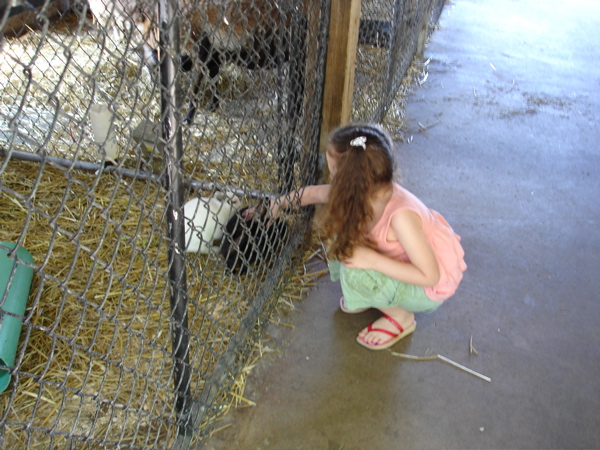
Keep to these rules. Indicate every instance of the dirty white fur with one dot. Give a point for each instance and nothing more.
(205, 219)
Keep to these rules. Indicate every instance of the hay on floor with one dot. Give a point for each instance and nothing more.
(94, 358)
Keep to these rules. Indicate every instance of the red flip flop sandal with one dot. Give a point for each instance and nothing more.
(402, 333)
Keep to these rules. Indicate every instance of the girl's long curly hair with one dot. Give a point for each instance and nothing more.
(360, 174)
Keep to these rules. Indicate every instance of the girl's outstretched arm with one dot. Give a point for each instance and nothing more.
(308, 195)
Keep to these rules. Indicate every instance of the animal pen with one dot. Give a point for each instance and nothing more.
(130, 129)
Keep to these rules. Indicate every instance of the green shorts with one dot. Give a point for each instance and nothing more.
(372, 289)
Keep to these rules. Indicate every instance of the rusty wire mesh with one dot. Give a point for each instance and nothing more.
(126, 140)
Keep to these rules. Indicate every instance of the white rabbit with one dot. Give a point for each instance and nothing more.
(205, 219)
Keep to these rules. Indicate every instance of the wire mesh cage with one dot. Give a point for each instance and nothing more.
(389, 35)
(131, 135)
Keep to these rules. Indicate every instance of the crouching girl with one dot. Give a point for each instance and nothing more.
(388, 250)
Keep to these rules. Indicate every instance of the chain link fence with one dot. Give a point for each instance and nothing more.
(391, 32)
(131, 135)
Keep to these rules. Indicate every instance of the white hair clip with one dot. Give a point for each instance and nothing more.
(360, 141)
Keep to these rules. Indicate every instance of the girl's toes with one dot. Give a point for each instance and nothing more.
(376, 339)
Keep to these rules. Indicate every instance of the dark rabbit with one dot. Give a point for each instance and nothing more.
(247, 241)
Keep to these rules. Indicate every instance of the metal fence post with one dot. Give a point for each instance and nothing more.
(173, 183)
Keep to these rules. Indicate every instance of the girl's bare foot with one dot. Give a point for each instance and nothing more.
(376, 338)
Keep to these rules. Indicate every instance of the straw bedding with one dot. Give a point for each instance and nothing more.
(95, 349)
(94, 357)
(98, 304)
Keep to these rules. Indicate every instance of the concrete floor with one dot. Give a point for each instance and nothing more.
(514, 165)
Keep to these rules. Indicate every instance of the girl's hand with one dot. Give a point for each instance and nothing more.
(248, 214)
(272, 214)
(362, 258)
(274, 211)
(275, 208)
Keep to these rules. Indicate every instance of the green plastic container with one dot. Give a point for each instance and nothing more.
(15, 301)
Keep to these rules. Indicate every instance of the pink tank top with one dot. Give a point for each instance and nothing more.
(442, 239)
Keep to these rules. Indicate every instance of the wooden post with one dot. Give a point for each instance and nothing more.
(339, 71)
(422, 38)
